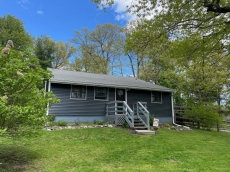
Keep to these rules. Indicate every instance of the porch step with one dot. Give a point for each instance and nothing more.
(145, 132)
(140, 128)
(138, 125)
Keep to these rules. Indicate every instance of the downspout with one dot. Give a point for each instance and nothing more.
(173, 115)
(47, 112)
(45, 88)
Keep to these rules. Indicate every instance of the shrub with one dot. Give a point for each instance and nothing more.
(167, 125)
(151, 117)
(206, 114)
(62, 123)
(51, 118)
(125, 124)
(98, 122)
(23, 99)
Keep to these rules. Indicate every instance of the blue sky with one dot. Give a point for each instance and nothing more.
(59, 18)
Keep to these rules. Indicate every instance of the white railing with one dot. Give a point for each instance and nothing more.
(143, 114)
(129, 114)
(121, 112)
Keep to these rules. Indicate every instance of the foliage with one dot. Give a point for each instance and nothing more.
(114, 149)
(98, 122)
(44, 51)
(167, 125)
(62, 53)
(205, 113)
(51, 118)
(184, 46)
(23, 101)
(62, 123)
(151, 118)
(99, 50)
(12, 28)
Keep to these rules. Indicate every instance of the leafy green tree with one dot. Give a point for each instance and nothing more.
(205, 71)
(12, 28)
(45, 48)
(23, 99)
(209, 18)
(99, 48)
(62, 53)
(205, 114)
(198, 47)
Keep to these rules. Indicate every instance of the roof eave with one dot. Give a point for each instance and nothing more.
(111, 85)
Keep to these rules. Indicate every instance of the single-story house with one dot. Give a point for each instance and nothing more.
(88, 97)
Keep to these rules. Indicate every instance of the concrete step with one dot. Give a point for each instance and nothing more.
(145, 132)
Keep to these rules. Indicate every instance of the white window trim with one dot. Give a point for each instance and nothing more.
(107, 98)
(79, 98)
(156, 102)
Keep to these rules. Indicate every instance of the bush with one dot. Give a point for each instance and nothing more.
(125, 124)
(23, 99)
(206, 114)
(62, 123)
(167, 125)
(51, 118)
(98, 122)
(151, 117)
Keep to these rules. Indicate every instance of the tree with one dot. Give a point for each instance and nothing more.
(198, 32)
(209, 18)
(219, 6)
(62, 53)
(44, 50)
(98, 49)
(12, 28)
(151, 52)
(205, 72)
(23, 99)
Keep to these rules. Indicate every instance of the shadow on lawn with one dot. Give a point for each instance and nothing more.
(16, 158)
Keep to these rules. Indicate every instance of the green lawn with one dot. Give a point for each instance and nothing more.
(115, 149)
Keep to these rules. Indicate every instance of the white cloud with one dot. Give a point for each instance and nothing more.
(120, 7)
(40, 12)
(23, 3)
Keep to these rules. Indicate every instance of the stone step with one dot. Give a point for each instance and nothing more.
(145, 132)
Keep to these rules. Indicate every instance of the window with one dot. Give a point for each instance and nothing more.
(101, 93)
(156, 97)
(78, 92)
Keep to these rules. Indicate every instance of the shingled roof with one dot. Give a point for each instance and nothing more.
(91, 79)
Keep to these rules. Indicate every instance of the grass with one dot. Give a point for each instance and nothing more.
(115, 149)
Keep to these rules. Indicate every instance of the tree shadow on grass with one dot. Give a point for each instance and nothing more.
(17, 158)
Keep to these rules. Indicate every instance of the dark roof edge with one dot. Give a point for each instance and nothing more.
(114, 86)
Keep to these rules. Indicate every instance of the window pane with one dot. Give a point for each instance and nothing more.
(101, 93)
(78, 91)
(156, 96)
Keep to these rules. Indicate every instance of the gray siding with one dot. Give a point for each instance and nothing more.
(74, 107)
(159, 110)
(90, 109)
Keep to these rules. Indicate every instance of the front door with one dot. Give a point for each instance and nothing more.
(120, 96)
